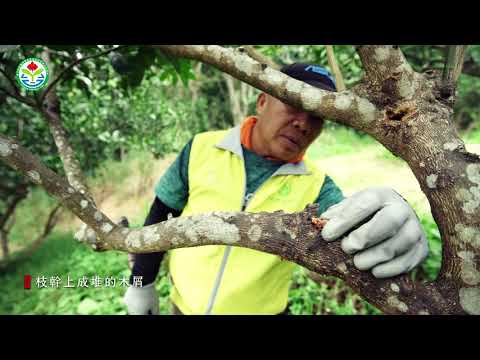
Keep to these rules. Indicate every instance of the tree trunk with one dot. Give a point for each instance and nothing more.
(239, 94)
(234, 98)
(4, 241)
(194, 85)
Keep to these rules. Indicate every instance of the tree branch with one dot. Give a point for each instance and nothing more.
(20, 123)
(22, 99)
(452, 69)
(50, 109)
(10, 80)
(258, 56)
(67, 155)
(19, 196)
(345, 107)
(335, 68)
(293, 237)
(388, 72)
(16, 94)
(77, 201)
(6, 189)
(9, 224)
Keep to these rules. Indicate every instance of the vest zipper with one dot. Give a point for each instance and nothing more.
(246, 199)
(226, 254)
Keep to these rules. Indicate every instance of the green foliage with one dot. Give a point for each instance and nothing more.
(71, 259)
(467, 111)
(31, 216)
(424, 57)
(431, 266)
(19, 121)
(143, 119)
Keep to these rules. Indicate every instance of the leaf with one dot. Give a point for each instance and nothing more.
(38, 72)
(26, 72)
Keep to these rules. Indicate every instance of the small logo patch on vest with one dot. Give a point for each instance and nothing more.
(285, 190)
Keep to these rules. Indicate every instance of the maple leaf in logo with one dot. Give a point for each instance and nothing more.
(32, 66)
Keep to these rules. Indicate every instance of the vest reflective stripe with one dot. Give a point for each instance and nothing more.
(253, 282)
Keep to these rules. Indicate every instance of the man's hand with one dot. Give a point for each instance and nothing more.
(392, 242)
(142, 300)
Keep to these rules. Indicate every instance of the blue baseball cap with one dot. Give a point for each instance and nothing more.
(311, 74)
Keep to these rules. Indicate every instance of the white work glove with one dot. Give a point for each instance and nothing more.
(392, 242)
(141, 300)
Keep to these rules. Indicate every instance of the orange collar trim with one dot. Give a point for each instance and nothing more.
(246, 137)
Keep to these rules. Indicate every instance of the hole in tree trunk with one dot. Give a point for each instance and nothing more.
(400, 113)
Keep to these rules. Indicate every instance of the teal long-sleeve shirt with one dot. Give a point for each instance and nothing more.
(174, 193)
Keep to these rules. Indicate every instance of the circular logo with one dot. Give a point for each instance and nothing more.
(32, 74)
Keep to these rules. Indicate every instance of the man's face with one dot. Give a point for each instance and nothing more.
(283, 132)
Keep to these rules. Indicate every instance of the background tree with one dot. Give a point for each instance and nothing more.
(103, 108)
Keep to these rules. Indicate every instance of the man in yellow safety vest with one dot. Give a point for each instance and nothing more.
(261, 166)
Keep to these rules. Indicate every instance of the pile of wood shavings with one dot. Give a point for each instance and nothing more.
(319, 222)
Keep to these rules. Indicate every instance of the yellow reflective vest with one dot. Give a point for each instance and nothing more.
(219, 279)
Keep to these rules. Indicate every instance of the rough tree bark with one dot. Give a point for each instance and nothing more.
(50, 108)
(401, 109)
